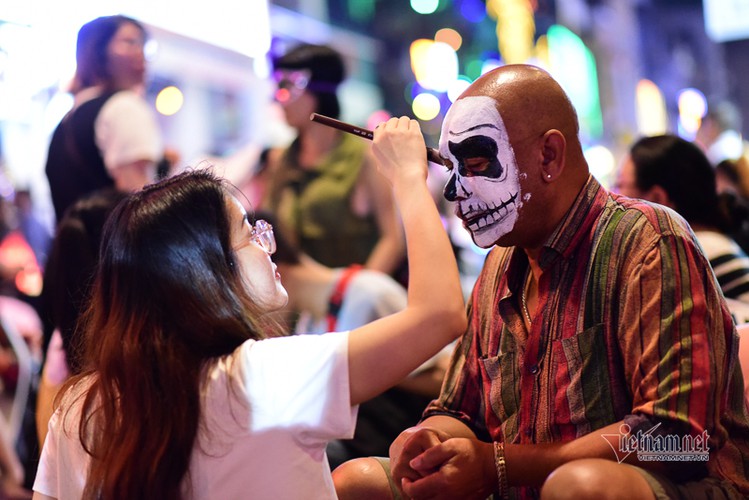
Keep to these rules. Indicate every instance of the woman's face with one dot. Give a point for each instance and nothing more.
(125, 60)
(259, 274)
(292, 94)
(724, 184)
(626, 179)
(298, 111)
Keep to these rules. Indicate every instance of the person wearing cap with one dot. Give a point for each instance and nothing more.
(323, 188)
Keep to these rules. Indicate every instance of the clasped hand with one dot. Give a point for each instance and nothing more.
(428, 463)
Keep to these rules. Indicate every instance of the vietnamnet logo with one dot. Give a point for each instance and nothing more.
(655, 448)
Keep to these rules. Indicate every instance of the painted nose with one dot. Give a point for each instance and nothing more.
(454, 189)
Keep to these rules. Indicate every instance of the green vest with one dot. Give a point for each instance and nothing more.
(313, 206)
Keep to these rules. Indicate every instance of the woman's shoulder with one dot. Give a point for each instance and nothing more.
(81, 385)
(270, 351)
(70, 404)
(716, 243)
(286, 360)
(289, 345)
(126, 105)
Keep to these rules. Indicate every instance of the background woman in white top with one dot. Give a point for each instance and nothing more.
(189, 392)
(110, 138)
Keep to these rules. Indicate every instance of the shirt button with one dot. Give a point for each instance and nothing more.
(533, 369)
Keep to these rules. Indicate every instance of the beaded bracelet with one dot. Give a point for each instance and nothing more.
(499, 461)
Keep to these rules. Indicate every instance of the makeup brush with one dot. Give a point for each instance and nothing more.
(432, 154)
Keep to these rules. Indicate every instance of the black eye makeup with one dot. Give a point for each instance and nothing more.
(477, 156)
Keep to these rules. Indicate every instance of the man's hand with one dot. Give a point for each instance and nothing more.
(456, 468)
(407, 446)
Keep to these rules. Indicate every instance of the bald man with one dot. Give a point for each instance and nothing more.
(600, 357)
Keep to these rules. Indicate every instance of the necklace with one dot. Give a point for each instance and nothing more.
(523, 302)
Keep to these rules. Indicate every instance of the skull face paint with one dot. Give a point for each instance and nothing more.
(484, 181)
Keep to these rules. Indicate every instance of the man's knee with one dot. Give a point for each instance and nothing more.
(595, 479)
(361, 478)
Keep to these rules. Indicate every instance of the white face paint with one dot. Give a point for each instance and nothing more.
(484, 180)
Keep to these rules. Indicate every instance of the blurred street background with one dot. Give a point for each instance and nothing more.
(632, 67)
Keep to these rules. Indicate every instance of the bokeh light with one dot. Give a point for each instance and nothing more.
(425, 6)
(361, 10)
(489, 65)
(419, 53)
(151, 49)
(473, 10)
(377, 117)
(282, 95)
(602, 163)
(515, 29)
(435, 64)
(651, 109)
(692, 107)
(541, 57)
(473, 68)
(16, 254)
(426, 106)
(572, 64)
(450, 37)
(457, 87)
(169, 100)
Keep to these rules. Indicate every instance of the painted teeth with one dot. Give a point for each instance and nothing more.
(488, 219)
(495, 215)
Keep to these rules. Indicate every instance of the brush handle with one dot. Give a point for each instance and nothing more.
(432, 154)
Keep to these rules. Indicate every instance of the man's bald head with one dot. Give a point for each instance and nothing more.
(529, 100)
(512, 142)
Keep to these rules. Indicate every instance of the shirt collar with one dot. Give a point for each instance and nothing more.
(576, 223)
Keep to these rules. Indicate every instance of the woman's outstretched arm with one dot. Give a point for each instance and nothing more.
(384, 352)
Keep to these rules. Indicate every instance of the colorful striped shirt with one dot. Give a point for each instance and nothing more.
(630, 323)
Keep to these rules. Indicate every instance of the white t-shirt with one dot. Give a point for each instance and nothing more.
(267, 435)
(127, 131)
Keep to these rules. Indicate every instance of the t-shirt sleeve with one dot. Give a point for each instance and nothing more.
(127, 131)
(46, 481)
(300, 383)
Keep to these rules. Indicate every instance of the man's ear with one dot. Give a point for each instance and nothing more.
(553, 150)
(658, 195)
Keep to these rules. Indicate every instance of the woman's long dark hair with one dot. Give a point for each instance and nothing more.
(70, 268)
(91, 50)
(168, 299)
